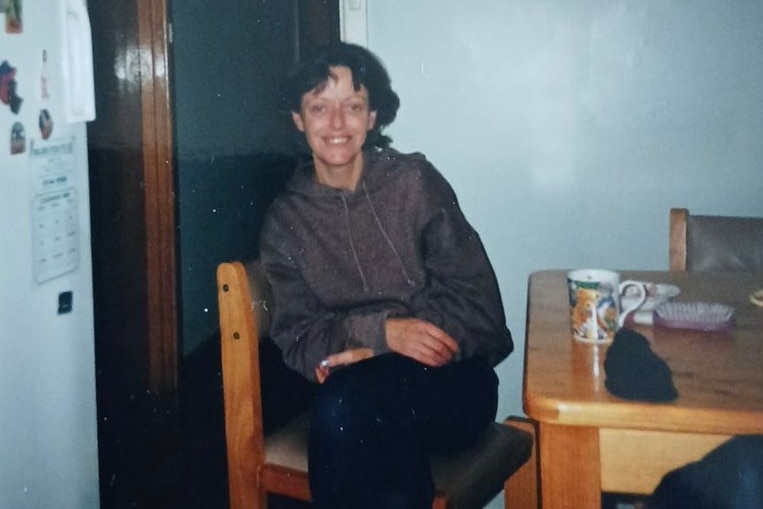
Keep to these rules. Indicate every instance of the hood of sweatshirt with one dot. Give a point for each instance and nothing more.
(379, 169)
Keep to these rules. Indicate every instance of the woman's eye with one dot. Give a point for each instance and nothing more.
(317, 108)
(355, 107)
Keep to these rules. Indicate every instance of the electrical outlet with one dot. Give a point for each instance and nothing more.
(65, 300)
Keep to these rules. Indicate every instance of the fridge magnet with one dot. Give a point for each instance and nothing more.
(13, 23)
(8, 95)
(46, 124)
(44, 75)
(18, 139)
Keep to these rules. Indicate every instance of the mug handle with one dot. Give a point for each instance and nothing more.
(624, 313)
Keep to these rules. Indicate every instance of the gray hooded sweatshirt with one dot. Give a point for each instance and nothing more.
(342, 262)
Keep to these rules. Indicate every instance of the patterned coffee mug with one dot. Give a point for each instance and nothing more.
(595, 310)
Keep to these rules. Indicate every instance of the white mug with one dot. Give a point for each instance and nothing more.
(595, 306)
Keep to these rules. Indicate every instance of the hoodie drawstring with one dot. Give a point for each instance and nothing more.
(352, 243)
(384, 234)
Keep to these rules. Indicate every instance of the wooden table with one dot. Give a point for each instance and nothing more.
(591, 441)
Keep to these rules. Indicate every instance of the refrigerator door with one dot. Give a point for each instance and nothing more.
(48, 423)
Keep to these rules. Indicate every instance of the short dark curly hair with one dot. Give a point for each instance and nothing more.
(367, 70)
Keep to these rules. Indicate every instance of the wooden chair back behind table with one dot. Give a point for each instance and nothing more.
(721, 243)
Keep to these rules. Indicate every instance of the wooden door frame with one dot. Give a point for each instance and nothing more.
(159, 180)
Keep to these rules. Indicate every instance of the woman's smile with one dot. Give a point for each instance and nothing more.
(335, 118)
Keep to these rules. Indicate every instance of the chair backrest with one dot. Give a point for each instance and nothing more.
(723, 243)
(243, 300)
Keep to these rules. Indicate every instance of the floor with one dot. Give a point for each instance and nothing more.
(169, 453)
(202, 429)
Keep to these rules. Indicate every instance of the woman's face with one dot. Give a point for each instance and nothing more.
(336, 120)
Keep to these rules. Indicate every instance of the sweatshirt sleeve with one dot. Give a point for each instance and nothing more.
(461, 294)
(304, 330)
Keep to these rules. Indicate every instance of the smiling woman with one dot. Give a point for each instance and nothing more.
(384, 294)
(335, 120)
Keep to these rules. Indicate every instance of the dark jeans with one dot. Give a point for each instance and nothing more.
(375, 423)
(728, 477)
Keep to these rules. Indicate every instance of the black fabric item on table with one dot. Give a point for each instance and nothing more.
(635, 372)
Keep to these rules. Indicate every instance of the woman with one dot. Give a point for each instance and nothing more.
(383, 294)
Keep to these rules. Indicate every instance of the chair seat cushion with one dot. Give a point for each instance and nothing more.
(474, 476)
(471, 477)
(287, 446)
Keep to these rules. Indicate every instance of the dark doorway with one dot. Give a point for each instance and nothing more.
(158, 396)
(233, 153)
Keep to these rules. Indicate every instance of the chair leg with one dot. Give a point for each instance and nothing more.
(520, 491)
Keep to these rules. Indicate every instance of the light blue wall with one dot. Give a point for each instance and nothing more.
(568, 128)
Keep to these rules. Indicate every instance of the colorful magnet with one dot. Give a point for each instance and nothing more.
(13, 18)
(8, 93)
(46, 124)
(44, 76)
(18, 139)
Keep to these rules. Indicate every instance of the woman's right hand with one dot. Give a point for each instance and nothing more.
(323, 369)
(420, 340)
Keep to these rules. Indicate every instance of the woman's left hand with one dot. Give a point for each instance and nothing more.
(323, 370)
(420, 340)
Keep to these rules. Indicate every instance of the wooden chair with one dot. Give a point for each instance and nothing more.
(723, 243)
(277, 463)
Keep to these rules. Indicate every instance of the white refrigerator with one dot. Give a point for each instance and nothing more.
(48, 423)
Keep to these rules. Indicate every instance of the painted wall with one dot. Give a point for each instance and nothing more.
(568, 128)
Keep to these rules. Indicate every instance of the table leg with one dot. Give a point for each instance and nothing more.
(570, 469)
